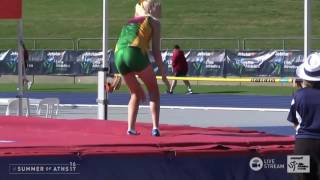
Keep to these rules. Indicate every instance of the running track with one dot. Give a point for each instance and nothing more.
(195, 100)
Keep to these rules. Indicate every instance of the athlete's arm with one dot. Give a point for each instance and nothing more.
(156, 46)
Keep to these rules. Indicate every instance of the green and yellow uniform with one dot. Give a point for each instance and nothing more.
(131, 52)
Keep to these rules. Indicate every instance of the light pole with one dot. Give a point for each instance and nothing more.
(307, 27)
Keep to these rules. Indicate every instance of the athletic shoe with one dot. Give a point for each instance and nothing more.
(189, 92)
(155, 132)
(168, 92)
(29, 85)
(133, 132)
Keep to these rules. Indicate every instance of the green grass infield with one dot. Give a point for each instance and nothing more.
(180, 89)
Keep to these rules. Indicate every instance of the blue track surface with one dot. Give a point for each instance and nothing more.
(198, 100)
(195, 100)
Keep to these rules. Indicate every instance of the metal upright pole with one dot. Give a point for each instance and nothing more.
(20, 63)
(102, 94)
(307, 27)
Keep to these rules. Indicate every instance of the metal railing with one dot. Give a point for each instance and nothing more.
(40, 43)
(201, 43)
(276, 43)
(256, 43)
(96, 45)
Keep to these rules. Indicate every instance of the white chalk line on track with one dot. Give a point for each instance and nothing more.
(186, 107)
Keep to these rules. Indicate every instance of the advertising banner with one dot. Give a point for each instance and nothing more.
(196, 62)
(248, 63)
(291, 60)
(8, 62)
(200, 63)
(166, 58)
(205, 63)
(89, 62)
(213, 63)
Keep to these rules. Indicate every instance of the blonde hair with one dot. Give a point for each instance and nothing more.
(143, 7)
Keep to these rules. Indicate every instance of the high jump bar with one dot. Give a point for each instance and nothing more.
(235, 79)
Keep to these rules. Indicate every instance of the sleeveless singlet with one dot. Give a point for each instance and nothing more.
(131, 52)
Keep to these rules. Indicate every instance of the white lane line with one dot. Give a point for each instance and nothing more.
(186, 107)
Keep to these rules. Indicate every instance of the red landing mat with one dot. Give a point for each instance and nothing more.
(30, 136)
